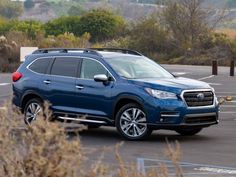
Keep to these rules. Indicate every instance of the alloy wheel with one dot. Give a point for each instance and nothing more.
(133, 122)
(32, 112)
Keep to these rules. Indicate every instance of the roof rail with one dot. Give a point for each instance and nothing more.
(127, 51)
(66, 50)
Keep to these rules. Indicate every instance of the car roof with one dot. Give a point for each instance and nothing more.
(83, 52)
(109, 55)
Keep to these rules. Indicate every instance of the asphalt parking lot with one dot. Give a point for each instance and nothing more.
(211, 153)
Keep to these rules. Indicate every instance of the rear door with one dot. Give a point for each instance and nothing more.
(35, 80)
(94, 97)
(60, 83)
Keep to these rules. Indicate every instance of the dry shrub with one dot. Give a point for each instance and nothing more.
(9, 55)
(130, 170)
(44, 150)
(41, 149)
(68, 40)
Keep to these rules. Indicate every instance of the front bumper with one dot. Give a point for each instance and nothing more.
(173, 114)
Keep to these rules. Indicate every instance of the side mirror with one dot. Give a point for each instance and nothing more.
(100, 78)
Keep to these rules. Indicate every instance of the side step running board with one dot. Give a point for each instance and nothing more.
(82, 120)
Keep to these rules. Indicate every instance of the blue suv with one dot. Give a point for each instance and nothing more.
(113, 87)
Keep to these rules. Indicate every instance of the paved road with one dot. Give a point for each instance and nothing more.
(211, 153)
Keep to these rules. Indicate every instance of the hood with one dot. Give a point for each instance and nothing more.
(175, 85)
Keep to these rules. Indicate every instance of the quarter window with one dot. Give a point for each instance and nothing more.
(90, 68)
(65, 67)
(40, 65)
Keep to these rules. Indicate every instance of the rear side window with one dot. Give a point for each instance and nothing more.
(40, 65)
(65, 67)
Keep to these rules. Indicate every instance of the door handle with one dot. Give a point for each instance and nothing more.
(47, 82)
(79, 87)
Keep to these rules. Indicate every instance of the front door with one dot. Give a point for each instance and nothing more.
(95, 97)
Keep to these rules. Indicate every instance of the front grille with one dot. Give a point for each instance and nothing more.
(205, 119)
(198, 98)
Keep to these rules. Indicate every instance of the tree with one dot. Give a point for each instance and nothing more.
(231, 3)
(148, 36)
(76, 10)
(10, 9)
(101, 24)
(189, 23)
(28, 4)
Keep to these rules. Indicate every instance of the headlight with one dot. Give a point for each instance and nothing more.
(161, 94)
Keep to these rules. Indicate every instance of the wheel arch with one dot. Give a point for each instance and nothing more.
(28, 96)
(125, 99)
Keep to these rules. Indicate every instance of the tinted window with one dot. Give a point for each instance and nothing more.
(40, 65)
(65, 67)
(90, 68)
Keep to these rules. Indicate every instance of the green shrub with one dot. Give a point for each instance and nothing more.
(31, 28)
(101, 24)
(5, 25)
(62, 25)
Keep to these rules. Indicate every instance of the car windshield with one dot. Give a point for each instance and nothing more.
(133, 67)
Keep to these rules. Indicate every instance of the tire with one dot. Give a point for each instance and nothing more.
(132, 127)
(188, 132)
(32, 110)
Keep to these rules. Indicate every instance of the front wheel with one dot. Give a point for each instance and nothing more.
(131, 122)
(188, 132)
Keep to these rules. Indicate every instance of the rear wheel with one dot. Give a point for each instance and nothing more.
(188, 132)
(131, 122)
(32, 110)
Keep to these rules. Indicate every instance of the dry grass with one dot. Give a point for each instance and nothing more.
(44, 150)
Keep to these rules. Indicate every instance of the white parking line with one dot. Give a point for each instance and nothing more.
(203, 169)
(226, 92)
(207, 77)
(216, 170)
(228, 112)
(3, 108)
(179, 73)
(215, 84)
(3, 84)
(227, 106)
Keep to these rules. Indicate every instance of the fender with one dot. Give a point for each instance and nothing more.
(127, 96)
(28, 92)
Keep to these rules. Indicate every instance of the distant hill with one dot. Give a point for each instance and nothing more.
(45, 10)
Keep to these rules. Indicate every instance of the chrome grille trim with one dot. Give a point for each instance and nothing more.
(200, 91)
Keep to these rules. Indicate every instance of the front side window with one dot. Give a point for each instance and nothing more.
(40, 65)
(90, 68)
(65, 67)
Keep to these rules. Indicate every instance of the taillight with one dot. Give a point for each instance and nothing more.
(16, 76)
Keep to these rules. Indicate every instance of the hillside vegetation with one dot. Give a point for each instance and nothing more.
(163, 36)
